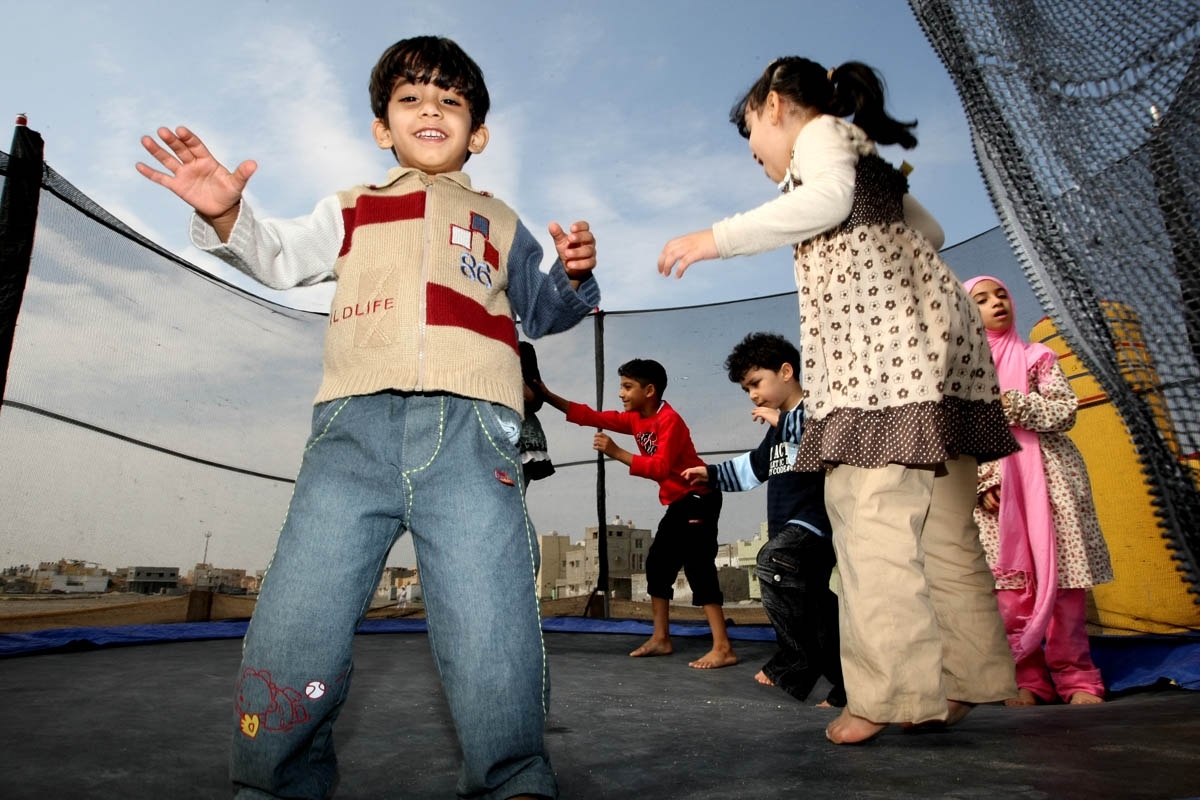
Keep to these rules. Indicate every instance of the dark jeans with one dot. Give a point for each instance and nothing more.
(793, 575)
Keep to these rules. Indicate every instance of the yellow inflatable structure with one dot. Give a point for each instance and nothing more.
(1148, 594)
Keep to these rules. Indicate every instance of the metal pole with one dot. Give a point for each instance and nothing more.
(18, 218)
(602, 610)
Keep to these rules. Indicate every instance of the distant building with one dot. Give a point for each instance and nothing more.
(573, 570)
(75, 584)
(734, 583)
(747, 559)
(152, 580)
(727, 555)
(554, 549)
(394, 585)
(206, 577)
(70, 576)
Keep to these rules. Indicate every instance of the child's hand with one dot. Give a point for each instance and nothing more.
(603, 443)
(196, 176)
(685, 251)
(576, 250)
(696, 475)
(768, 415)
(990, 499)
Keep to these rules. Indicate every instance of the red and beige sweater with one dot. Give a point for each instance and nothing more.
(429, 272)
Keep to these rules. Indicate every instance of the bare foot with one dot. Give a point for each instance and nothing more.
(762, 678)
(654, 647)
(1024, 698)
(956, 710)
(1084, 699)
(715, 659)
(851, 729)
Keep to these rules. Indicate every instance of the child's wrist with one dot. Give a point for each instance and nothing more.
(227, 217)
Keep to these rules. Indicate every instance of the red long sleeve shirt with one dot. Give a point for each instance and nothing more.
(664, 441)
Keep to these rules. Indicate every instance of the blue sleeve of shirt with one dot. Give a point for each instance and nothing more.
(545, 302)
(744, 472)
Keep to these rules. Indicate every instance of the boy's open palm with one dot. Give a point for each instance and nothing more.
(194, 174)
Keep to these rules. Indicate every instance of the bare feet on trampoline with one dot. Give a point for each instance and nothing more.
(956, 710)
(1024, 698)
(654, 647)
(1084, 699)
(715, 659)
(852, 729)
(762, 678)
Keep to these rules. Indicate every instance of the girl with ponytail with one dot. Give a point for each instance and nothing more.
(901, 396)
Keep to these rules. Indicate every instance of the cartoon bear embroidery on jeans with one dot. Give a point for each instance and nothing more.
(261, 705)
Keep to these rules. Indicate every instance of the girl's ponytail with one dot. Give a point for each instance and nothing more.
(851, 89)
(859, 90)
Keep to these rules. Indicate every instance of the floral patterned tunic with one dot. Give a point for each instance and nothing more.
(1049, 411)
(896, 363)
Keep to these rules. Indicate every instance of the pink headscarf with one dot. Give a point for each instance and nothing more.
(1026, 523)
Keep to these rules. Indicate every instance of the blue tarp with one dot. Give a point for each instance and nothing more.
(1132, 662)
(1127, 662)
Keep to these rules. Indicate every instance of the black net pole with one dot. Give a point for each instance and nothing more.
(18, 218)
(598, 605)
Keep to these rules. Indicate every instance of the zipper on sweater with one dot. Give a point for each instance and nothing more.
(423, 284)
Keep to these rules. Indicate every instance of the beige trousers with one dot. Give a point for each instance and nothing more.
(919, 622)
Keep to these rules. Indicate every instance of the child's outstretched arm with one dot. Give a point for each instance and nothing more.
(685, 251)
(603, 443)
(197, 177)
(559, 402)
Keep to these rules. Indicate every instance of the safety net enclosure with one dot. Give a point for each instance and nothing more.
(147, 403)
(156, 415)
(1086, 121)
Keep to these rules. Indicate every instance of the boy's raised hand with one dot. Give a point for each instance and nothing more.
(576, 250)
(762, 414)
(195, 175)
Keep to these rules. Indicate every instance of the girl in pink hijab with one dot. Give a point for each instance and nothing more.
(1036, 517)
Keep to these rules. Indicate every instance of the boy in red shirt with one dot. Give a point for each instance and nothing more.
(687, 534)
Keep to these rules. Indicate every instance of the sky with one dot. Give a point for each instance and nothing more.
(615, 113)
(612, 112)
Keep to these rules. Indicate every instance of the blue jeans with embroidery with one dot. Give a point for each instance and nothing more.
(446, 469)
(793, 575)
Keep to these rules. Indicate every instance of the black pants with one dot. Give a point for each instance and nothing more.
(793, 574)
(686, 539)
